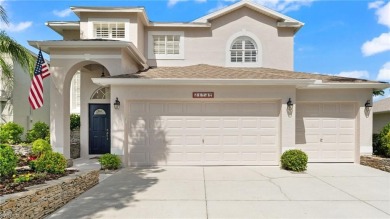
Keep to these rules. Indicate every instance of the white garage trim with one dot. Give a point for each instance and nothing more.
(326, 131)
(203, 133)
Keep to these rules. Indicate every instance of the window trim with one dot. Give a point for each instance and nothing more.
(229, 44)
(91, 30)
(151, 54)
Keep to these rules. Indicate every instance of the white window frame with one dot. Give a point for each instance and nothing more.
(91, 29)
(151, 54)
(229, 44)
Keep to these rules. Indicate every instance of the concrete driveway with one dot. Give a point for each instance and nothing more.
(324, 191)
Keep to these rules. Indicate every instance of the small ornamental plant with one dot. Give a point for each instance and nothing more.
(40, 130)
(50, 162)
(40, 147)
(295, 160)
(11, 133)
(23, 178)
(8, 161)
(110, 161)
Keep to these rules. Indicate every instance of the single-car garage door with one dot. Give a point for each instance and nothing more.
(204, 133)
(326, 131)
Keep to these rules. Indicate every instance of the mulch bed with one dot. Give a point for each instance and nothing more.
(7, 186)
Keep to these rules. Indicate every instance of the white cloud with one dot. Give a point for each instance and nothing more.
(200, 1)
(62, 13)
(375, 4)
(11, 27)
(172, 3)
(383, 14)
(384, 73)
(377, 45)
(219, 6)
(354, 74)
(284, 5)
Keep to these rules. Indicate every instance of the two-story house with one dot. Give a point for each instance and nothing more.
(14, 105)
(219, 90)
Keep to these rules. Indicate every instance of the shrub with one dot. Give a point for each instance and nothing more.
(295, 160)
(8, 160)
(50, 162)
(10, 133)
(74, 121)
(110, 161)
(40, 147)
(382, 147)
(376, 144)
(40, 130)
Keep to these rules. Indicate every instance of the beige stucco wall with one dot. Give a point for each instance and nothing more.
(71, 34)
(380, 120)
(209, 45)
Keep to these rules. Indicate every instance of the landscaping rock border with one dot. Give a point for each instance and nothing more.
(376, 162)
(41, 200)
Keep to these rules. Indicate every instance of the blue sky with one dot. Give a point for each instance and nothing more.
(348, 38)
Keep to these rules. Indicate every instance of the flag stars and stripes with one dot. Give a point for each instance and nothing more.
(36, 90)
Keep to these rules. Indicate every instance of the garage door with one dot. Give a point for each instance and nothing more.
(204, 133)
(326, 131)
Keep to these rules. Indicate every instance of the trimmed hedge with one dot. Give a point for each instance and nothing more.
(295, 160)
(40, 147)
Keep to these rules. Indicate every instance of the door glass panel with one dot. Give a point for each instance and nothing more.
(99, 112)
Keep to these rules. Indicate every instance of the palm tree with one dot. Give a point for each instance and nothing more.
(10, 48)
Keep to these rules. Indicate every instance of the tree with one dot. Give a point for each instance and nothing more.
(10, 48)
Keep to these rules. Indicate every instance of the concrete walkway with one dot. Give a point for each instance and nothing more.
(324, 191)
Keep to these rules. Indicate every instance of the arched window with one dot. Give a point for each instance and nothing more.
(102, 93)
(243, 50)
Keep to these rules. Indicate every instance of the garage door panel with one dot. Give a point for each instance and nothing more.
(204, 133)
(323, 129)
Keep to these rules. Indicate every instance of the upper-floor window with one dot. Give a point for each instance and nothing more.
(108, 28)
(165, 45)
(243, 50)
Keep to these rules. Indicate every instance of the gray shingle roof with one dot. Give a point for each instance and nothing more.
(203, 71)
(381, 106)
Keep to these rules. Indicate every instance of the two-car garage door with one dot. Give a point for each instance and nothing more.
(204, 133)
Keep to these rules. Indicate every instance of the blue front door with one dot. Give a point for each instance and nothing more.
(99, 129)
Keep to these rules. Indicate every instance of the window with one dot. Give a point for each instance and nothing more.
(102, 93)
(75, 94)
(165, 45)
(110, 30)
(243, 50)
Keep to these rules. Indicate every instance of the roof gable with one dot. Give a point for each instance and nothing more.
(258, 8)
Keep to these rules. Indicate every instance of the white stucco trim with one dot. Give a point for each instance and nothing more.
(244, 33)
(86, 56)
(320, 85)
(161, 24)
(151, 54)
(172, 81)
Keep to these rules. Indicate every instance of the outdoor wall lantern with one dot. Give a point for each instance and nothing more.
(117, 104)
(289, 104)
(368, 105)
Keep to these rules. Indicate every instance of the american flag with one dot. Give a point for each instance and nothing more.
(36, 90)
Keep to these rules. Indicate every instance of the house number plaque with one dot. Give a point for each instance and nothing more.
(202, 94)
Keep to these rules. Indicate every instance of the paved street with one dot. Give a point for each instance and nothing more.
(323, 191)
